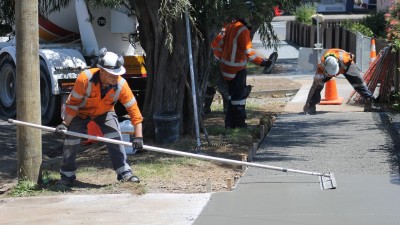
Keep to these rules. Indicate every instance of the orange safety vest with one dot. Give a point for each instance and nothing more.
(216, 45)
(345, 60)
(85, 98)
(236, 49)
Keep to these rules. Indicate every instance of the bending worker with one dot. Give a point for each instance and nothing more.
(93, 97)
(334, 62)
(233, 49)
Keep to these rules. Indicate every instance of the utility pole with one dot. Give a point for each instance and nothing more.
(29, 140)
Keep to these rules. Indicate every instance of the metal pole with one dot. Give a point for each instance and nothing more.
(194, 97)
(169, 151)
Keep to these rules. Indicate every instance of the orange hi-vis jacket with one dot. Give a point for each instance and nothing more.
(345, 60)
(85, 99)
(216, 45)
(236, 50)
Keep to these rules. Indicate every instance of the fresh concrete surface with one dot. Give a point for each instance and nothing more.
(149, 209)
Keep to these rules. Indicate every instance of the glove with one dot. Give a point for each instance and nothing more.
(137, 143)
(266, 63)
(60, 130)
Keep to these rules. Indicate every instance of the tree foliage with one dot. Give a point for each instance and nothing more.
(162, 34)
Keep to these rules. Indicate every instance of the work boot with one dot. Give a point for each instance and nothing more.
(311, 110)
(371, 106)
(65, 182)
(128, 177)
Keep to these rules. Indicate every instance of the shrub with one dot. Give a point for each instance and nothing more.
(304, 12)
(376, 23)
(357, 27)
(393, 25)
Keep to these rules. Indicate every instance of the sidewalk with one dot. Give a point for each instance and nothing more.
(360, 148)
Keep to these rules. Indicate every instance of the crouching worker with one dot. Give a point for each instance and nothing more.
(333, 63)
(93, 97)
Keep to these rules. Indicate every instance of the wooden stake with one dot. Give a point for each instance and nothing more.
(229, 184)
(262, 132)
(244, 159)
(208, 185)
(255, 147)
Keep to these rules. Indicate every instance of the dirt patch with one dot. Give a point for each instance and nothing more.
(95, 174)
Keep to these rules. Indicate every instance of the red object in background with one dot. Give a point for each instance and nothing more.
(277, 11)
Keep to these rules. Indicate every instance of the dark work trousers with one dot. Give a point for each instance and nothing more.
(352, 74)
(236, 110)
(109, 126)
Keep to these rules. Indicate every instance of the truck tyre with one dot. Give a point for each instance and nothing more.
(50, 103)
(51, 114)
(8, 87)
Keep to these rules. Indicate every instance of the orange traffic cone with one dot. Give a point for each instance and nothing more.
(372, 54)
(94, 130)
(331, 94)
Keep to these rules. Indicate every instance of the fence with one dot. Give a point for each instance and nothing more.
(332, 35)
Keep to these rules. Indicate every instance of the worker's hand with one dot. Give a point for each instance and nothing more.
(60, 130)
(266, 63)
(137, 143)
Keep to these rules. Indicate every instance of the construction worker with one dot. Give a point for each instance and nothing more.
(93, 97)
(333, 63)
(234, 49)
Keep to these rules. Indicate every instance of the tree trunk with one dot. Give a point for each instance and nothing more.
(29, 140)
(168, 85)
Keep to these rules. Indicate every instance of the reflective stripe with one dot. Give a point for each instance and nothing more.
(72, 141)
(248, 51)
(341, 60)
(89, 75)
(120, 84)
(239, 64)
(238, 102)
(73, 107)
(68, 174)
(76, 95)
(252, 57)
(112, 135)
(234, 48)
(130, 103)
(228, 75)
(359, 85)
(122, 169)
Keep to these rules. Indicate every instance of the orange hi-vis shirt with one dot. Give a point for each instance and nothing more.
(236, 50)
(216, 45)
(345, 60)
(85, 98)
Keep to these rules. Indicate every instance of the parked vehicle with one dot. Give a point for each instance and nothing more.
(69, 43)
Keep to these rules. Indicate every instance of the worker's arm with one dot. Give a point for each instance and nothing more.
(67, 119)
(138, 130)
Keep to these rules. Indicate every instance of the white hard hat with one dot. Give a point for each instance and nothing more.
(331, 65)
(111, 62)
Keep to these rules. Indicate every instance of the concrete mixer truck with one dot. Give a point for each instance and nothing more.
(69, 43)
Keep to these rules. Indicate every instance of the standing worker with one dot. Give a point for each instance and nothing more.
(93, 97)
(333, 63)
(233, 50)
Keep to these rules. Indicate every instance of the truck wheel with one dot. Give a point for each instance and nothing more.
(8, 87)
(50, 103)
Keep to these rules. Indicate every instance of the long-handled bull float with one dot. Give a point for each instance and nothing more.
(326, 180)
